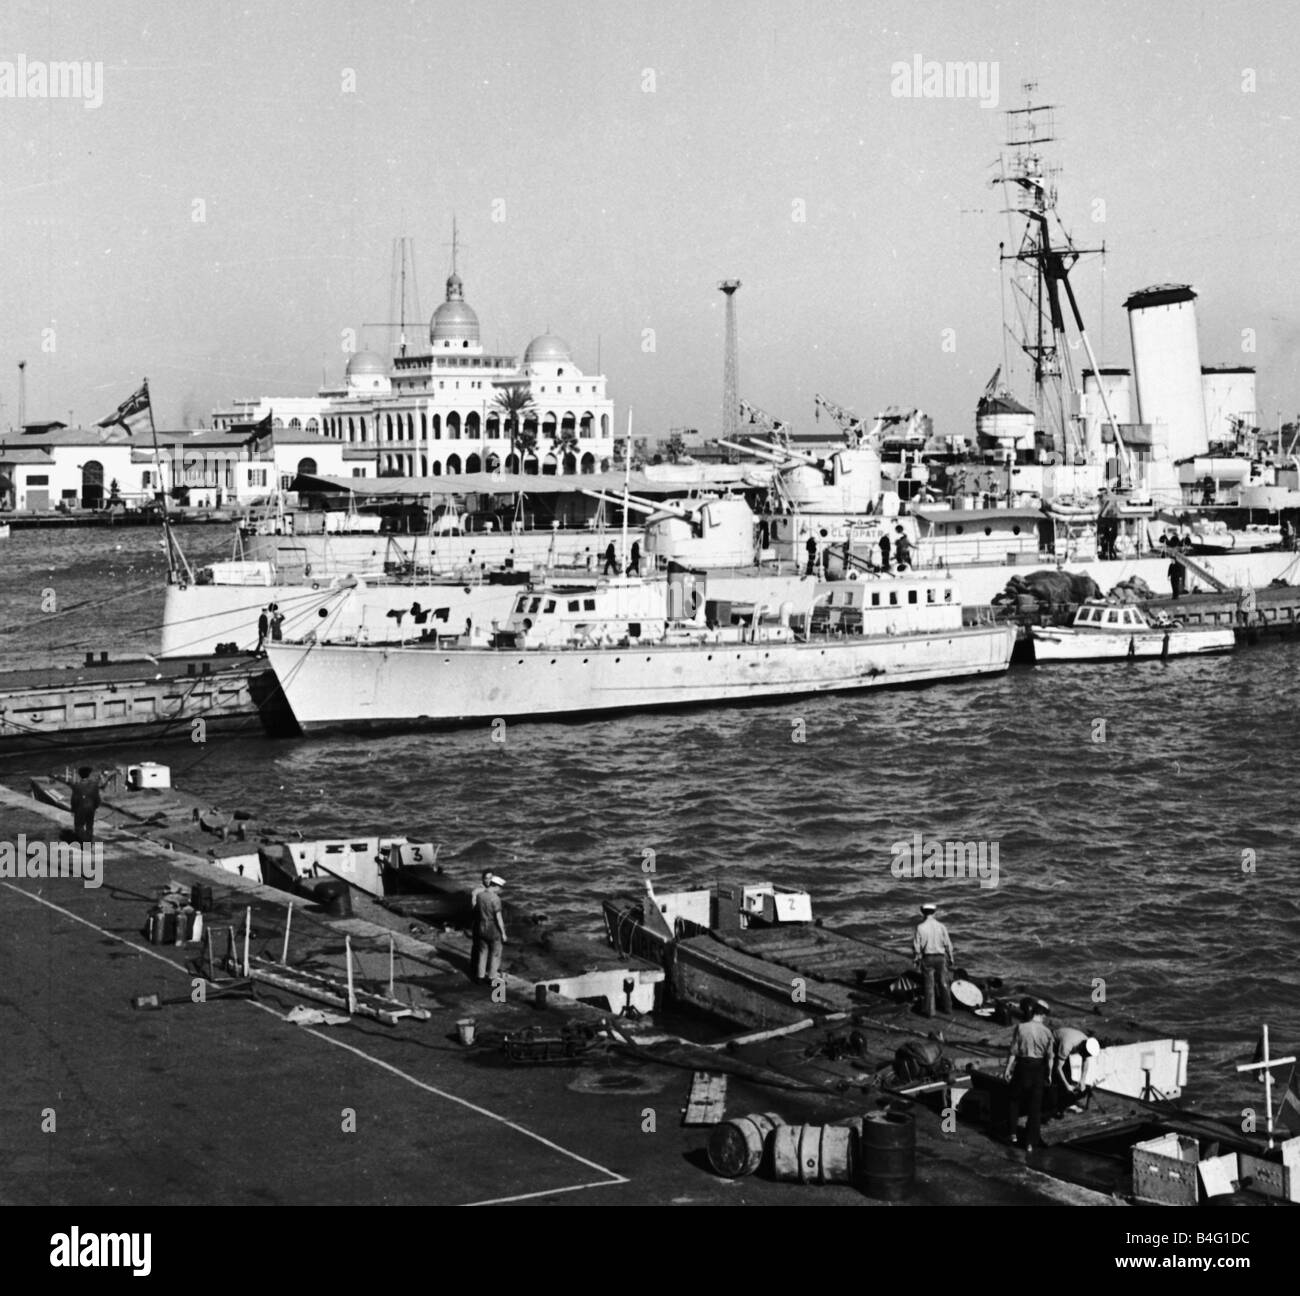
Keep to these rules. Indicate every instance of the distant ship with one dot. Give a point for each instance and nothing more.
(585, 649)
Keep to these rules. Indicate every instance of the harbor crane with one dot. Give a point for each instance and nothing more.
(846, 420)
(775, 429)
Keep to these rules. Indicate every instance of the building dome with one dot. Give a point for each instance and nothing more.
(453, 321)
(367, 362)
(547, 349)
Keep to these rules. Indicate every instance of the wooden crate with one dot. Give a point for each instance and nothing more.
(1277, 1174)
(1164, 1170)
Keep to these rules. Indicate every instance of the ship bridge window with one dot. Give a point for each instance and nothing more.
(550, 605)
(535, 605)
(893, 598)
(574, 605)
(1130, 619)
(875, 599)
(911, 596)
(929, 596)
(522, 605)
(947, 595)
(589, 605)
(1112, 618)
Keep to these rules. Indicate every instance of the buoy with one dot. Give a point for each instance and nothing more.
(736, 1146)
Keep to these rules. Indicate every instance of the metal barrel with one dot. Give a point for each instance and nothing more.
(887, 1155)
(736, 1146)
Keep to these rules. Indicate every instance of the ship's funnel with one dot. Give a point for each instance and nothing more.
(1167, 367)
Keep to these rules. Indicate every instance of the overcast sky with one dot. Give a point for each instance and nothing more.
(229, 209)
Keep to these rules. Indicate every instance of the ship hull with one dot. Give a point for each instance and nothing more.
(343, 687)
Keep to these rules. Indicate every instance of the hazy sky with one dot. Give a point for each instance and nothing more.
(608, 163)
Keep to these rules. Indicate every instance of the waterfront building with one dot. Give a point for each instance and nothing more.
(51, 466)
(435, 412)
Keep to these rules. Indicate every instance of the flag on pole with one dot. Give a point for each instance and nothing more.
(134, 404)
(1288, 1110)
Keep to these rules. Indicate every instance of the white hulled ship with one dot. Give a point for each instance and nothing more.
(629, 645)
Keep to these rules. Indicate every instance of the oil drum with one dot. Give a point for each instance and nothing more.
(736, 1146)
(887, 1155)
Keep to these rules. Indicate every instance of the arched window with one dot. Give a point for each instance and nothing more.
(453, 465)
(604, 425)
(313, 426)
(550, 466)
(92, 484)
(493, 427)
(493, 463)
(295, 425)
(453, 431)
(437, 468)
(388, 427)
(352, 432)
(424, 426)
(472, 426)
(437, 428)
(585, 426)
(307, 467)
(473, 464)
(588, 463)
(512, 463)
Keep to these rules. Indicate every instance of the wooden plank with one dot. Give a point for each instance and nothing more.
(708, 1099)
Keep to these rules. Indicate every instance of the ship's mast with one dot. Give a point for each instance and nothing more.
(1040, 266)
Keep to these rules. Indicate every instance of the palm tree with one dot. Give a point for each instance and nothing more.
(514, 401)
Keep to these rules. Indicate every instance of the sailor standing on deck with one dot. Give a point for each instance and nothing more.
(1029, 1063)
(489, 929)
(932, 950)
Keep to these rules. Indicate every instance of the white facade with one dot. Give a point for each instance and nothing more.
(436, 414)
(79, 467)
(1167, 364)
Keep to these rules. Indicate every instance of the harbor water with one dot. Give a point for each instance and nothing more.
(1136, 824)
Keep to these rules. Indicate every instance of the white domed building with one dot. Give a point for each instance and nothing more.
(436, 412)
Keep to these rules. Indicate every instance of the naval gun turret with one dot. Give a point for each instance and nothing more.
(844, 481)
(717, 531)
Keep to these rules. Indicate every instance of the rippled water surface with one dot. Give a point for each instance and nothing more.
(1120, 846)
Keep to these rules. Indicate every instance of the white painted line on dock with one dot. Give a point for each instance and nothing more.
(613, 1176)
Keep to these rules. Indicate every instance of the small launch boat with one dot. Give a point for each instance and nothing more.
(1107, 631)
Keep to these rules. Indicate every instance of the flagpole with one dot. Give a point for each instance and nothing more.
(168, 541)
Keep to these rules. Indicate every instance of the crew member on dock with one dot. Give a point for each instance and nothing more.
(85, 801)
(489, 930)
(1028, 1064)
(932, 950)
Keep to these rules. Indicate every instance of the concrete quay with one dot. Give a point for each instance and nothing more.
(229, 1102)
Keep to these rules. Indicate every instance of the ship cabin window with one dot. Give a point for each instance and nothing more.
(875, 599)
(1130, 619)
(893, 598)
(522, 605)
(589, 605)
(535, 605)
(929, 596)
(911, 596)
(947, 595)
(574, 605)
(550, 605)
(1112, 617)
